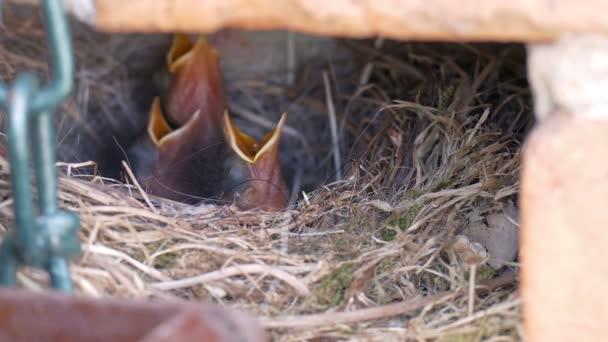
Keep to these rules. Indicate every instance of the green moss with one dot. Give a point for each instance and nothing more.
(485, 272)
(330, 290)
(463, 337)
(484, 329)
(434, 281)
(442, 185)
(164, 260)
(411, 194)
(407, 218)
(385, 265)
(445, 96)
(387, 234)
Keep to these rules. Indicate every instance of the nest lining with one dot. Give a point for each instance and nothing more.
(430, 138)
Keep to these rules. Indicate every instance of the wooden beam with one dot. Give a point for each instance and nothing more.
(565, 231)
(446, 20)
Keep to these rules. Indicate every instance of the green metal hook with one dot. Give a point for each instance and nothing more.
(62, 59)
(45, 236)
(18, 147)
(50, 96)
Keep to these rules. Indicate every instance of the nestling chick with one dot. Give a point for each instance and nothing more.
(182, 157)
(264, 186)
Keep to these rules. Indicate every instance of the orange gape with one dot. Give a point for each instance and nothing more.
(264, 186)
(185, 127)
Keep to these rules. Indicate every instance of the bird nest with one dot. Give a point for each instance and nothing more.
(378, 238)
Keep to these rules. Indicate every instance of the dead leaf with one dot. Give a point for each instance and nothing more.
(395, 136)
(382, 205)
(472, 253)
(362, 279)
(499, 234)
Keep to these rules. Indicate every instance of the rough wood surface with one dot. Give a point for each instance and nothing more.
(564, 192)
(564, 200)
(473, 20)
(83, 10)
(570, 75)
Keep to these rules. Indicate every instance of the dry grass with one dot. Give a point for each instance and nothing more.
(432, 136)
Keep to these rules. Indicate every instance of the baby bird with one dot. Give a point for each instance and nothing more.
(264, 187)
(183, 155)
(196, 83)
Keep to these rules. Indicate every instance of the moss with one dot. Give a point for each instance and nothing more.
(445, 96)
(161, 261)
(385, 265)
(485, 272)
(435, 282)
(484, 329)
(443, 185)
(164, 260)
(411, 194)
(387, 234)
(330, 290)
(464, 337)
(407, 218)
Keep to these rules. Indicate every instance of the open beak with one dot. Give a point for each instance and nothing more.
(185, 125)
(173, 170)
(265, 186)
(196, 84)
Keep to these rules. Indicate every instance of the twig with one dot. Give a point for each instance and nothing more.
(136, 183)
(291, 58)
(231, 272)
(331, 112)
(143, 213)
(103, 250)
(334, 318)
(472, 275)
(368, 314)
(483, 313)
(483, 119)
(316, 234)
(369, 67)
(507, 278)
(71, 166)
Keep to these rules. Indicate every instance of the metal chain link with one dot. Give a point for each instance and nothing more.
(44, 236)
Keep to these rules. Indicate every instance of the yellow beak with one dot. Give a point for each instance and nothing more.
(196, 84)
(265, 188)
(187, 137)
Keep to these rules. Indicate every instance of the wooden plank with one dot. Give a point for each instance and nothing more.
(448, 20)
(564, 193)
(564, 210)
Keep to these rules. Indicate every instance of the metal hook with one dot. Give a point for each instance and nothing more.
(62, 59)
(49, 239)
